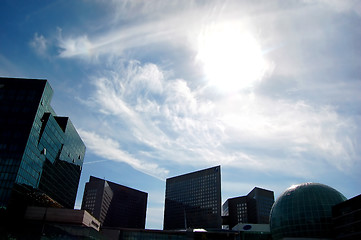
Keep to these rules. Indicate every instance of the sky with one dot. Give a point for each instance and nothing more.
(269, 90)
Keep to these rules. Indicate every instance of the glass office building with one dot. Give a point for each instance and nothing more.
(346, 218)
(235, 211)
(41, 154)
(259, 205)
(115, 205)
(193, 200)
(252, 208)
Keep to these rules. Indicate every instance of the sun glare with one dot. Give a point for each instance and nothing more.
(231, 57)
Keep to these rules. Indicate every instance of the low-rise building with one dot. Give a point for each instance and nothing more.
(62, 216)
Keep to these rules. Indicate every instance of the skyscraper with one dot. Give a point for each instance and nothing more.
(193, 200)
(115, 205)
(41, 154)
(255, 207)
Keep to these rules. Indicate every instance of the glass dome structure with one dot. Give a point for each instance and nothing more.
(304, 211)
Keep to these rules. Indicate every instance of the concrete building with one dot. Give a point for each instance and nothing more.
(54, 223)
(62, 216)
(40, 152)
(193, 200)
(115, 205)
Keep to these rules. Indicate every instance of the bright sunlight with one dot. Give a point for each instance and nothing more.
(232, 57)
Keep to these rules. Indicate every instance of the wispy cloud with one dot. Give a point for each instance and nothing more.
(156, 23)
(179, 23)
(79, 46)
(110, 149)
(40, 44)
(116, 41)
(99, 161)
(178, 125)
(167, 119)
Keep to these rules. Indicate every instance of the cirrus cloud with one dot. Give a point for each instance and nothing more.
(110, 149)
(176, 124)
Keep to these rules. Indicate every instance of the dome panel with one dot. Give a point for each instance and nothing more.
(304, 210)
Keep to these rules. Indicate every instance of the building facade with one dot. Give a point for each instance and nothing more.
(346, 218)
(62, 216)
(193, 200)
(253, 208)
(41, 154)
(115, 205)
(259, 205)
(235, 211)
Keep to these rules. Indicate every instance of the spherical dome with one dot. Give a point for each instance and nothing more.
(304, 210)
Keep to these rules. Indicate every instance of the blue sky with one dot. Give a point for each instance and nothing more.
(269, 90)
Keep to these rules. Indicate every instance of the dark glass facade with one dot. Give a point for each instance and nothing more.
(304, 211)
(235, 211)
(346, 218)
(115, 205)
(39, 151)
(252, 208)
(259, 205)
(193, 200)
(97, 198)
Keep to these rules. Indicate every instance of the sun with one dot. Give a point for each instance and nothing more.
(231, 57)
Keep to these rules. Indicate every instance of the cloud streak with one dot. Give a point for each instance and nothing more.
(178, 125)
(110, 149)
(168, 119)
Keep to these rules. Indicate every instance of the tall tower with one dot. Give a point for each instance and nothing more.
(41, 154)
(115, 205)
(97, 198)
(193, 200)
